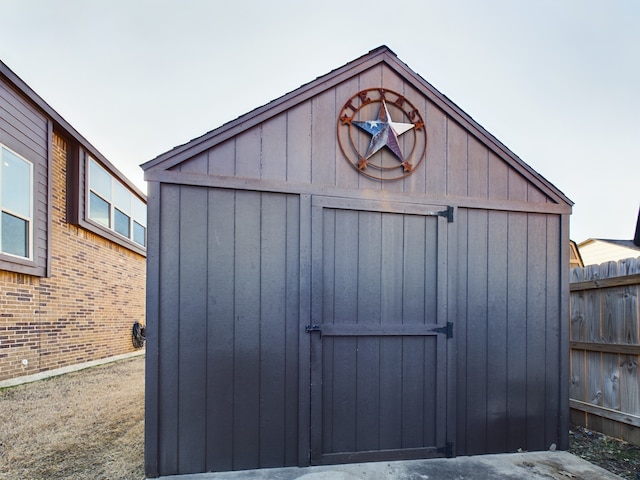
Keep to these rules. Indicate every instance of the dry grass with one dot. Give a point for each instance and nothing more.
(90, 425)
(82, 425)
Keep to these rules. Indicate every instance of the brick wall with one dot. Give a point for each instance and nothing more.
(84, 310)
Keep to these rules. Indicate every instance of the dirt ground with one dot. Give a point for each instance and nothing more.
(90, 425)
(618, 457)
(82, 425)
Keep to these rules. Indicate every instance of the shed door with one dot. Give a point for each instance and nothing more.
(379, 333)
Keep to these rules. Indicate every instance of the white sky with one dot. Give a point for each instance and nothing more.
(556, 81)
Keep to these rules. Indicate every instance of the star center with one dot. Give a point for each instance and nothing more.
(384, 133)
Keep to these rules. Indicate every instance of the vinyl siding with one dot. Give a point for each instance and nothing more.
(27, 132)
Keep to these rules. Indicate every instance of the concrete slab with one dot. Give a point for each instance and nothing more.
(516, 466)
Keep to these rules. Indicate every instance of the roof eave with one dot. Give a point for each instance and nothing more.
(62, 124)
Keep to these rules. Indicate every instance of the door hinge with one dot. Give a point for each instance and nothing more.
(448, 214)
(448, 330)
(447, 450)
(312, 328)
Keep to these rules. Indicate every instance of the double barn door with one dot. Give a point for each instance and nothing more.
(378, 332)
(240, 384)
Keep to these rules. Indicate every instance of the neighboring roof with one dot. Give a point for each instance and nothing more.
(623, 243)
(595, 251)
(61, 123)
(632, 244)
(619, 243)
(380, 55)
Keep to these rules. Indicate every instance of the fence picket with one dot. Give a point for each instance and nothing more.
(605, 321)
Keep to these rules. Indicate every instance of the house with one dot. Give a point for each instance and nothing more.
(575, 259)
(356, 271)
(72, 244)
(595, 251)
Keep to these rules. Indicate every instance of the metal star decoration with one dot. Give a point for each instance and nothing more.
(384, 133)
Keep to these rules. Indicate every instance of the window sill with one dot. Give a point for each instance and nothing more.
(112, 236)
(9, 263)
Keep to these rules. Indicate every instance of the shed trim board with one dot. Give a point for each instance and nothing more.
(239, 183)
(152, 357)
(290, 298)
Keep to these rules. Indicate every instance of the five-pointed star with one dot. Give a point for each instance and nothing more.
(384, 132)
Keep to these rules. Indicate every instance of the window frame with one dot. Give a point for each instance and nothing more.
(29, 259)
(114, 201)
(78, 206)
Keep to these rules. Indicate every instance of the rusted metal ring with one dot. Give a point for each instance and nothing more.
(378, 117)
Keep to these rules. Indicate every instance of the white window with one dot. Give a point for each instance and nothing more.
(113, 205)
(16, 194)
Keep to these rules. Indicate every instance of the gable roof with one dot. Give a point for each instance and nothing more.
(60, 123)
(377, 56)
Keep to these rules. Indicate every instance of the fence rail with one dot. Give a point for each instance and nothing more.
(605, 348)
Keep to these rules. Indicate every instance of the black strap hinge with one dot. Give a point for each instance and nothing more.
(448, 214)
(448, 330)
(447, 450)
(312, 328)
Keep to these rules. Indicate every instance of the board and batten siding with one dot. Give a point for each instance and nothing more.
(297, 151)
(507, 248)
(508, 337)
(605, 348)
(28, 132)
(229, 316)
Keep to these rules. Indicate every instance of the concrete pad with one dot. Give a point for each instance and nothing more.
(515, 466)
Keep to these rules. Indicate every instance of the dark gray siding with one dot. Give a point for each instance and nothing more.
(508, 331)
(228, 330)
(27, 132)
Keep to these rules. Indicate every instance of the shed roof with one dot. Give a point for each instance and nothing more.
(380, 55)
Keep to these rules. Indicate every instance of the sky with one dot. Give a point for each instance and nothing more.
(556, 81)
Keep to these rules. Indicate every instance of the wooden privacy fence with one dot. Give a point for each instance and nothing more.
(605, 348)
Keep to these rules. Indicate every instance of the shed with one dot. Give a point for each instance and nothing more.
(356, 271)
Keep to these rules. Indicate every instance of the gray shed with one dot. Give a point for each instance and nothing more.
(356, 271)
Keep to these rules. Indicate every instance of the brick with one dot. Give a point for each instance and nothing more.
(85, 310)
